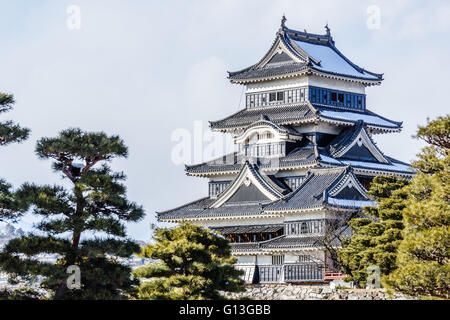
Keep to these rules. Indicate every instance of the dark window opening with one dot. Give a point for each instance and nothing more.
(280, 96)
(304, 228)
(333, 96)
(341, 97)
(272, 96)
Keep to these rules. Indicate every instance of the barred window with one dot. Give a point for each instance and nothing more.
(277, 260)
(305, 227)
(216, 187)
(304, 258)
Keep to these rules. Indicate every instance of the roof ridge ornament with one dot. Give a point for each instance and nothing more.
(327, 29)
(283, 21)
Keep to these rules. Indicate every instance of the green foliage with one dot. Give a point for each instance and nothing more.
(193, 263)
(423, 255)
(96, 205)
(376, 237)
(9, 131)
(10, 207)
(436, 133)
(22, 293)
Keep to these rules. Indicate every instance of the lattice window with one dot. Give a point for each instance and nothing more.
(278, 260)
(304, 258)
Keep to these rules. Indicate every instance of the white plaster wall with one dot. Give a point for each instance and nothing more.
(246, 260)
(264, 260)
(277, 84)
(304, 216)
(290, 258)
(293, 257)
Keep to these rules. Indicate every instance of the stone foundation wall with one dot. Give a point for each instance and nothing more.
(316, 292)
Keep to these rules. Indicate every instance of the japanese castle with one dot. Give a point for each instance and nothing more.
(305, 158)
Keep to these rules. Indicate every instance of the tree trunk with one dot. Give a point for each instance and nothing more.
(76, 239)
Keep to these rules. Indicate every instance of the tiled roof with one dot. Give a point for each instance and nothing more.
(232, 163)
(200, 209)
(395, 166)
(267, 71)
(345, 138)
(229, 162)
(280, 115)
(310, 193)
(285, 242)
(264, 120)
(247, 246)
(312, 52)
(282, 242)
(268, 182)
(293, 114)
(368, 117)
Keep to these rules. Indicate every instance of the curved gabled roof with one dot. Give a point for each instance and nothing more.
(303, 53)
(304, 113)
(321, 188)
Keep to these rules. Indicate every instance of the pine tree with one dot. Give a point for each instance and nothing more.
(376, 237)
(10, 207)
(192, 263)
(95, 205)
(9, 131)
(423, 255)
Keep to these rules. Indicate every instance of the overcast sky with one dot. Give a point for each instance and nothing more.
(143, 69)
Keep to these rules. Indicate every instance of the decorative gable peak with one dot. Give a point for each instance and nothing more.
(296, 53)
(356, 144)
(251, 185)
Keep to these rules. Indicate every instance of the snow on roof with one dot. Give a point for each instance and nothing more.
(355, 116)
(330, 60)
(394, 166)
(351, 203)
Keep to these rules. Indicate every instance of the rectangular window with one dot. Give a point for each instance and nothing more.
(277, 260)
(280, 96)
(333, 96)
(303, 258)
(272, 96)
(341, 98)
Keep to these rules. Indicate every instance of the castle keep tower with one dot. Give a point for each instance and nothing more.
(305, 160)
